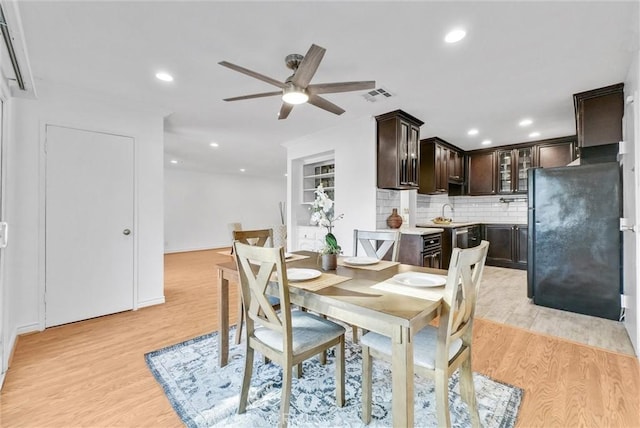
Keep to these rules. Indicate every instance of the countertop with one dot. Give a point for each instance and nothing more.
(419, 230)
(428, 225)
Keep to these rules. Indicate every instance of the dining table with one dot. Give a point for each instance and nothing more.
(362, 295)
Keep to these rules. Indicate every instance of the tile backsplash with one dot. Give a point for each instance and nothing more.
(482, 209)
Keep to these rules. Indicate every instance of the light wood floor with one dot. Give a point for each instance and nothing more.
(93, 374)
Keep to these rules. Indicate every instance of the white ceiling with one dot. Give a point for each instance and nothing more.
(519, 59)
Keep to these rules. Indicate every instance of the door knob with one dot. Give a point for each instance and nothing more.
(126, 232)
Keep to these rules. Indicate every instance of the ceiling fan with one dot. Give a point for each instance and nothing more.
(296, 88)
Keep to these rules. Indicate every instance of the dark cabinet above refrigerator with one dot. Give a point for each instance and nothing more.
(599, 115)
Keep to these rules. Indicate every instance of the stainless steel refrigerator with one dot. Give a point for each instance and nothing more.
(574, 249)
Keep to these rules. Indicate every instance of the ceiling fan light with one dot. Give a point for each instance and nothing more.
(293, 95)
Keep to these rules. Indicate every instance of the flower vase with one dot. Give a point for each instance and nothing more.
(280, 236)
(329, 261)
(394, 221)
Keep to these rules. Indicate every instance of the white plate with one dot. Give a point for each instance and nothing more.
(296, 274)
(419, 279)
(361, 261)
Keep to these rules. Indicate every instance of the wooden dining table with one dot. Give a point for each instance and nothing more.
(353, 301)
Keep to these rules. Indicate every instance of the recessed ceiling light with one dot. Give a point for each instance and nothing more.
(525, 122)
(214, 144)
(472, 132)
(534, 134)
(486, 142)
(165, 77)
(286, 175)
(173, 161)
(242, 170)
(455, 35)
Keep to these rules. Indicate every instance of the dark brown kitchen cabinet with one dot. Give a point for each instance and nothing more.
(440, 165)
(512, 169)
(482, 173)
(599, 115)
(398, 135)
(456, 166)
(434, 167)
(421, 250)
(507, 245)
(556, 152)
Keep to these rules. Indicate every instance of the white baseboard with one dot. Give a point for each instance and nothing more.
(29, 328)
(151, 302)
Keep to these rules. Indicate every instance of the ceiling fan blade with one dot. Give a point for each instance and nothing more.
(248, 97)
(285, 110)
(253, 74)
(332, 88)
(325, 104)
(308, 66)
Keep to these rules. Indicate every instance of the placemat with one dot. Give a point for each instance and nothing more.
(295, 257)
(381, 265)
(324, 280)
(426, 293)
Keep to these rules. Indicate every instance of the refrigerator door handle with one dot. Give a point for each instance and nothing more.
(626, 226)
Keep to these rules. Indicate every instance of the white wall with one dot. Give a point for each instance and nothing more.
(353, 143)
(24, 278)
(199, 206)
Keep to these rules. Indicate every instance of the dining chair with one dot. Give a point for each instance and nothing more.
(377, 243)
(286, 337)
(439, 351)
(261, 238)
(232, 227)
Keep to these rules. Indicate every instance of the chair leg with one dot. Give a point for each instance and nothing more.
(246, 380)
(354, 330)
(442, 399)
(323, 357)
(298, 371)
(468, 392)
(238, 337)
(340, 373)
(367, 364)
(287, 375)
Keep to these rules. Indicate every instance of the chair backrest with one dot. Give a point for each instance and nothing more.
(378, 243)
(259, 237)
(256, 266)
(459, 299)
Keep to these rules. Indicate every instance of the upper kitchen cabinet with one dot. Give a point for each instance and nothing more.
(512, 169)
(441, 167)
(599, 115)
(555, 152)
(398, 135)
(482, 173)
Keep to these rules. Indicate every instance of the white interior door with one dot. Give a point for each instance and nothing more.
(631, 239)
(3, 243)
(89, 224)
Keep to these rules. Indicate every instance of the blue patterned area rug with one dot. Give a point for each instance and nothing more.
(205, 395)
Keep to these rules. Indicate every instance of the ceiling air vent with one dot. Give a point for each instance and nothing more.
(375, 95)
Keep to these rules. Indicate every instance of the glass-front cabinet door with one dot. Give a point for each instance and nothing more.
(524, 162)
(505, 172)
(513, 166)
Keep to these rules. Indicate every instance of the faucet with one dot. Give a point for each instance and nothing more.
(447, 205)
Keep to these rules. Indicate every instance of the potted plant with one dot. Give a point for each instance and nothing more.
(323, 214)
